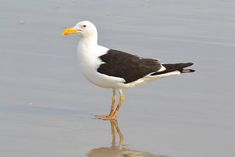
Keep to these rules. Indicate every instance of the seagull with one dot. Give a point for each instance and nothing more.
(114, 69)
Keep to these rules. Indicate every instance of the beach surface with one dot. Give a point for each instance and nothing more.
(47, 107)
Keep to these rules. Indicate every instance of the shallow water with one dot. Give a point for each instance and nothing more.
(47, 107)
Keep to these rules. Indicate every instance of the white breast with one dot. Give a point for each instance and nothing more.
(89, 63)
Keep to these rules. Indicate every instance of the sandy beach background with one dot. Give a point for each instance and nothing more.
(47, 107)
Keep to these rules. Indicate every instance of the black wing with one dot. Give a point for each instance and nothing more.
(181, 67)
(127, 66)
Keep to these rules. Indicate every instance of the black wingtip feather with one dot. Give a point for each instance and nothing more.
(176, 67)
(187, 71)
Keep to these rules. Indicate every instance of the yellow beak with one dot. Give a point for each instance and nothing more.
(69, 31)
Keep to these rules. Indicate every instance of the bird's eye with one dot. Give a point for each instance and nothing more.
(84, 26)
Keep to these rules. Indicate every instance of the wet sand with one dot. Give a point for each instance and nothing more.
(47, 108)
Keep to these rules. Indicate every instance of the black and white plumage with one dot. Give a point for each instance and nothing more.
(132, 68)
(115, 69)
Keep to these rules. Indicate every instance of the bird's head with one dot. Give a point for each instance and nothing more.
(83, 28)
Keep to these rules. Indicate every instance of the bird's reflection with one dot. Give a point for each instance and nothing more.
(118, 150)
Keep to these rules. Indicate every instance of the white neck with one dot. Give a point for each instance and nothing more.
(87, 43)
(89, 39)
(87, 47)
